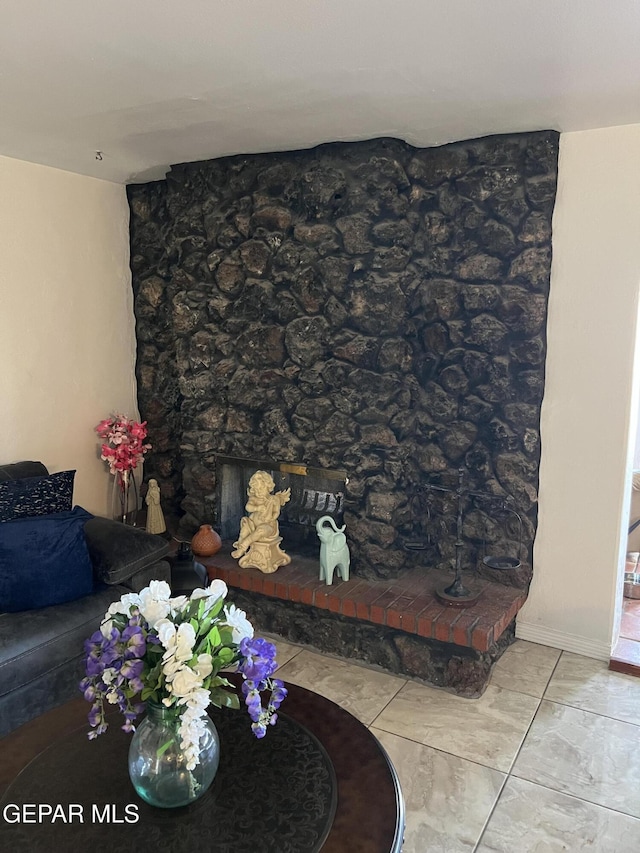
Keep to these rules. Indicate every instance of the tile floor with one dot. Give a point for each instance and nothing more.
(546, 760)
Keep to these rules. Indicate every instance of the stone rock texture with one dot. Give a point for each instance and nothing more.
(367, 306)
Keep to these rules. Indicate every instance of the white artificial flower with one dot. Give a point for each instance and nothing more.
(124, 605)
(108, 675)
(216, 590)
(171, 665)
(237, 620)
(166, 631)
(154, 602)
(177, 642)
(105, 628)
(153, 610)
(185, 640)
(178, 604)
(192, 723)
(160, 590)
(199, 593)
(196, 702)
(204, 666)
(184, 681)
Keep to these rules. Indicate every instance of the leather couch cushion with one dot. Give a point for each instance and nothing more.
(19, 470)
(34, 643)
(118, 551)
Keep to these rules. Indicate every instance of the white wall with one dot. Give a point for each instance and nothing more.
(67, 342)
(587, 409)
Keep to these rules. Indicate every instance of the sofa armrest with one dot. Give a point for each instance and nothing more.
(160, 571)
(118, 551)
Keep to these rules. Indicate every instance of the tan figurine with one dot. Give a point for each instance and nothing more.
(258, 544)
(155, 516)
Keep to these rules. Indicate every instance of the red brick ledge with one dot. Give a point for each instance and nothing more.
(407, 603)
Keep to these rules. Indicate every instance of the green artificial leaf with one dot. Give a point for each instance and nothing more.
(226, 635)
(217, 607)
(203, 630)
(224, 699)
(214, 637)
(154, 651)
(191, 611)
(225, 655)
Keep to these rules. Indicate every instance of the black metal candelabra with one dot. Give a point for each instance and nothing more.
(458, 594)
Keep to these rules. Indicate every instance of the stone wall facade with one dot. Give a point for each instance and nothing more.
(368, 306)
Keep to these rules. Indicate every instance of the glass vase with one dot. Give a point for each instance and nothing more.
(124, 502)
(158, 765)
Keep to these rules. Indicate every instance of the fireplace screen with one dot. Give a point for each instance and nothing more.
(314, 492)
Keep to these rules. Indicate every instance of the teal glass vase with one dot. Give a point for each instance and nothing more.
(158, 764)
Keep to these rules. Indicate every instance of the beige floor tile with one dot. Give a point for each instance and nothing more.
(533, 819)
(589, 756)
(525, 667)
(285, 650)
(588, 684)
(488, 730)
(361, 691)
(447, 799)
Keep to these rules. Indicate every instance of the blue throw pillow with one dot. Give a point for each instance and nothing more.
(36, 495)
(44, 561)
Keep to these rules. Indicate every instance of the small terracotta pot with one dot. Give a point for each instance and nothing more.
(206, 542)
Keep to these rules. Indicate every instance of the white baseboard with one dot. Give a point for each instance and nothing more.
(560, 640)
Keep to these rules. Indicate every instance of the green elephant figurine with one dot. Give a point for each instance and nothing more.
(334, 551)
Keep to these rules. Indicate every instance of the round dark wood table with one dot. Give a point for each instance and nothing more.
(319, 782)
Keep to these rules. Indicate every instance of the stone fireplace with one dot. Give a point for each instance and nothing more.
(368, 308)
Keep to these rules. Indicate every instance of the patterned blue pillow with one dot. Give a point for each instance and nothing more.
(36, 496)
(44, 561)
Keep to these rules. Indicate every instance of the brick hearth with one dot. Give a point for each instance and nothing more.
(407, 603)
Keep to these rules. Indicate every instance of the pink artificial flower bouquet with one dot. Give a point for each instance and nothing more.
(123, 445)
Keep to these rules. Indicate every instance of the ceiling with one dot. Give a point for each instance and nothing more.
(153, 82)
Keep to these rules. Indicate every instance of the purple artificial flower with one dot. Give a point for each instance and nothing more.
(135, 644)
(278, 693)
(94, 667)
(259, 658)
(259, 729)
(95, 714)
(101, 651)
(132, 668)
(254, 704)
